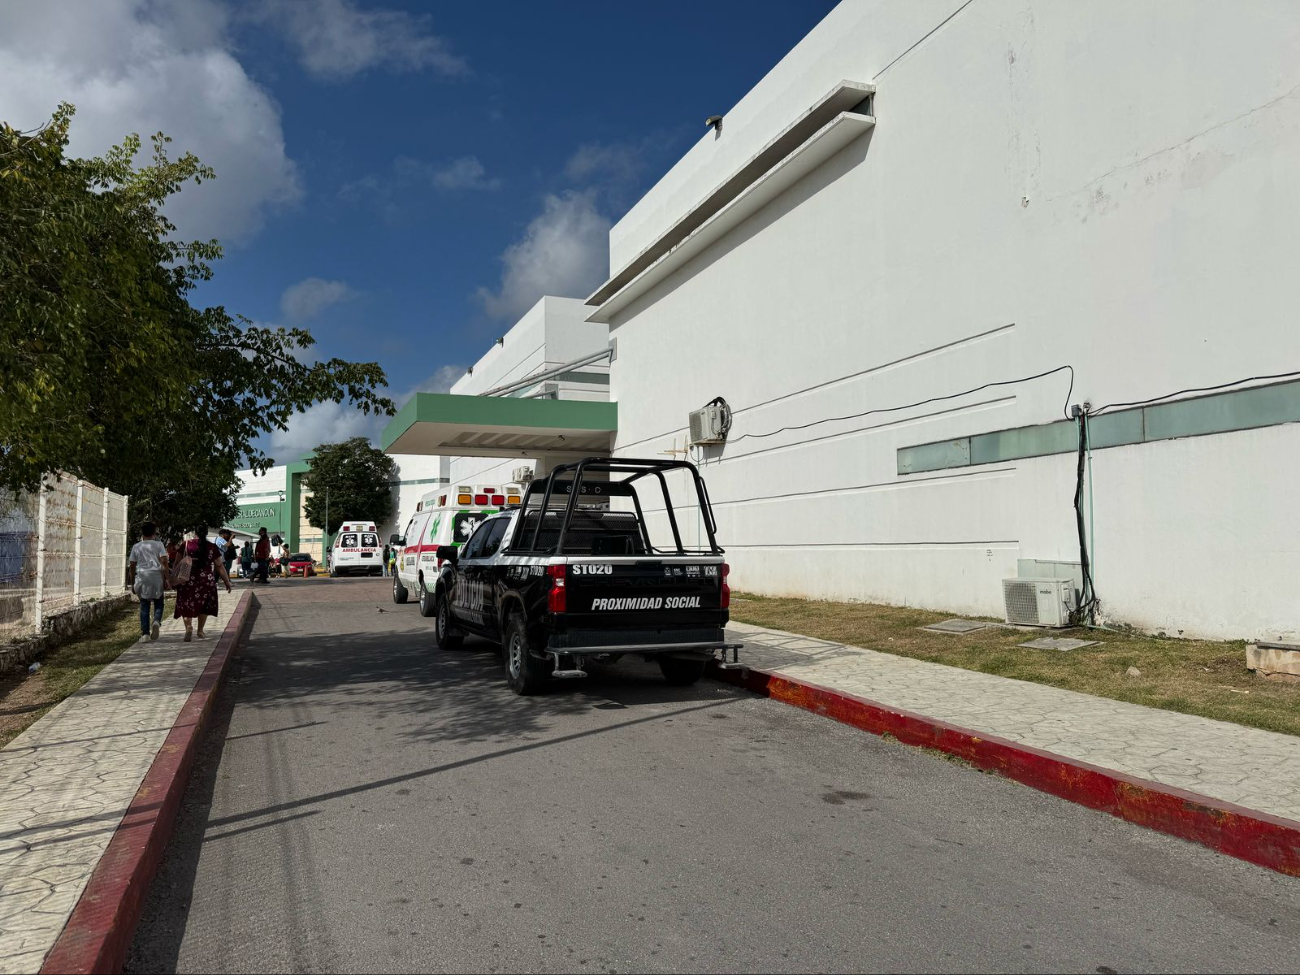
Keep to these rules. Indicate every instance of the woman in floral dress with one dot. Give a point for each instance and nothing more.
(198, 596)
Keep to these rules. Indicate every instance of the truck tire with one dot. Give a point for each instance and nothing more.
(400, 592)
(681, 672)
(425, 598)
(524, 673)
(443, 631)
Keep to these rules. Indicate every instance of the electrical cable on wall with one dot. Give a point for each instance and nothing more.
(1200, 389)
(1087, 608)
(1088, 600)
(908, 406)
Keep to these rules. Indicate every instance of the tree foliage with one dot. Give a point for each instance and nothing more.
(356, 477)
(108, 372)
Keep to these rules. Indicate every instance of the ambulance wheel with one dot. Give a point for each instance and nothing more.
(447, 638)
(524, 673)
(425, 599)
(400, 593)
(681, 672)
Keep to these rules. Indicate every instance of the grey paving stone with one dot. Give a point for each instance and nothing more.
(1057, 643)
(956, 626)
(66, 782)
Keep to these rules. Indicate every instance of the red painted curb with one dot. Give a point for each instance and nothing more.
(1269, 841)
(99, 932)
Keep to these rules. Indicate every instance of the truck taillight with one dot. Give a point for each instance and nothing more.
(498, 499)
(556, 598)
(480, 499)
(725, 600)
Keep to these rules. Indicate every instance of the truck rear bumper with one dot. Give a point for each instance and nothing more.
(699, 648)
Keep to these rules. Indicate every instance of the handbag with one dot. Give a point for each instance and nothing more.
(181, 574)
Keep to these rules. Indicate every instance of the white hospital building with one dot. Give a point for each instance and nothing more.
(905, 255)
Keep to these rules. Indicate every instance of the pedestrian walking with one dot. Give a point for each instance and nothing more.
(388, 555)
(246, 561)
(262, 556)
(196, 582)
(228, 550)
(148, 577)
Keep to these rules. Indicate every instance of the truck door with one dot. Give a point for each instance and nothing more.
(467, 594)
(490, 573)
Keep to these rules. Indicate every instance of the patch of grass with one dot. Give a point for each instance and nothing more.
(1201, 677)
(24, 698)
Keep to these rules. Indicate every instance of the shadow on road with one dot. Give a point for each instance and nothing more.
(452, 695)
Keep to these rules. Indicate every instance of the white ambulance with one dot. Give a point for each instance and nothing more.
(447, 516)
(356, 550)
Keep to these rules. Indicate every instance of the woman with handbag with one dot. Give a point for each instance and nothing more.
(195, 579)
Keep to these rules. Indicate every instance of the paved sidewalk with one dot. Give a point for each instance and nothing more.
(66, 782)
(1259, 770)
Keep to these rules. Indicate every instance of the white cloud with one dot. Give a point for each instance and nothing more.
(140, 66)
(564, 251)
(616, 162)
(465, 173)
(336, 39)
(322, 423)
(442, 380)
(331, 422)
(305, 300)
(391, 192)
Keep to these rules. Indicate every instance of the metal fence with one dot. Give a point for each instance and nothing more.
(59, 547)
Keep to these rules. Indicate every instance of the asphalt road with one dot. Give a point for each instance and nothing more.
(366, 802)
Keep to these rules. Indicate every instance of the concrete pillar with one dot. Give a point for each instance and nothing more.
(76, 548)
(103, 569)
(40, 558)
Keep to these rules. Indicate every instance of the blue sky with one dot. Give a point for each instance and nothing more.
(400, 178)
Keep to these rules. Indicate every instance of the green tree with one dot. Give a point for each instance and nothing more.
(108, 372)
(355, 478)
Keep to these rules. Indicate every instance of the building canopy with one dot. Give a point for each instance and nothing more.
(497, 426)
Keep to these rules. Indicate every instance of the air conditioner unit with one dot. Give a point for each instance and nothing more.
(709, 425)
(1038, 602)
(521, 475)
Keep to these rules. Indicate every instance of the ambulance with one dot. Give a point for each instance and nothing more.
(447, 516)
(356, 550)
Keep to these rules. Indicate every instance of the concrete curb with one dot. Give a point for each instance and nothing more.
(99, 932)
(1246, 834)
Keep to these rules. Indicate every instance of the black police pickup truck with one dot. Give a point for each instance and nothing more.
(581, 570)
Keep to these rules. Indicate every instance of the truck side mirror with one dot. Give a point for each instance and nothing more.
(448, 553)
(395, 539)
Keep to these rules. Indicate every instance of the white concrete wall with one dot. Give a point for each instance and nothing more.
(550, 334)
(1047, 183)
(260, 487)
(415, 473)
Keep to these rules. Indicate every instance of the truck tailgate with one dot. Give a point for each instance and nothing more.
(645, 601)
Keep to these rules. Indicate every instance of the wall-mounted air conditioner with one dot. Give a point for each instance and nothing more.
(1038, 602)
(709, 425)
(521, 475)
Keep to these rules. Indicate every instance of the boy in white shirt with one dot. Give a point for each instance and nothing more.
(148, 577)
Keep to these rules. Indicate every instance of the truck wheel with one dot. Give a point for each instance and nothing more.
(442, 628)
(681, 672)
(426, 599)
(524, 673)
(400, 592)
